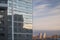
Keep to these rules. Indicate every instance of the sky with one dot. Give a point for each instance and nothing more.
(46, 14)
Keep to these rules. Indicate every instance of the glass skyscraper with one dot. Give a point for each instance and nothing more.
(19, 19)
(3, 20)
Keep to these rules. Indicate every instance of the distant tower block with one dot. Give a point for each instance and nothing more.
(41, 35)
(44, 36)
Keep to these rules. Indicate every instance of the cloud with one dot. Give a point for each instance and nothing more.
(55, 10)
(46, 17)
(48, 23)
(44, 10)
(39, 9)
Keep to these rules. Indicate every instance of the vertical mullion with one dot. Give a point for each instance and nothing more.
(12, 21)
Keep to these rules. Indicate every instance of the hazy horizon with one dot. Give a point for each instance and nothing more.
(48, 32)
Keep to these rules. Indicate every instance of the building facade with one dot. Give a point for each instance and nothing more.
(3, 20)
(19, 19)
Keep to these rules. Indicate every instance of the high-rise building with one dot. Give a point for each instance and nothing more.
(18, 19)
(41, 35)
(3, 20)
(44, 36)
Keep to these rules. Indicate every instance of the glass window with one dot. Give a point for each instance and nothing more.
(19, 0)
(3, 1)
(1, 29)
(10, 5)
(15, 27)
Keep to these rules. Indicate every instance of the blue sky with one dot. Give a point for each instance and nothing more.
(46, 14)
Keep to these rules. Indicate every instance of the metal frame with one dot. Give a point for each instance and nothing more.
(12, 21)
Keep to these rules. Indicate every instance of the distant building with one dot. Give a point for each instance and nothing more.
(35, 38)
(44, 36)
(41, 36)
(53, 37)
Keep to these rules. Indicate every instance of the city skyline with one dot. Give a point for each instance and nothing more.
(46, 14)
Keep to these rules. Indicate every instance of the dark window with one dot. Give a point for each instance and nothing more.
(19, 0)
(18, 17)
(3, 1)
(1, 29)
(2, 34)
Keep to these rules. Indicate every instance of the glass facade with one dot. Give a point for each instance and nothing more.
(15, 19)
(19, 19)
(3, 20)
(3, 23)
